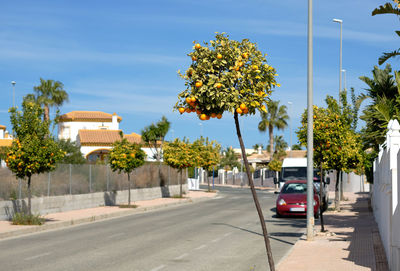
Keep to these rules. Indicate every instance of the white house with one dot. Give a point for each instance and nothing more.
(95, 132)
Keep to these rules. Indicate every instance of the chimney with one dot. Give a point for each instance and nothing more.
(114, 125)
(259, 150)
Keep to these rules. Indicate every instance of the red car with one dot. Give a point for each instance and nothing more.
(292, 199)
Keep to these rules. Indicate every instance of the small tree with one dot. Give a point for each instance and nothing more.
(154, 135)
(125, 157)
(34, 151)
(208, 155)
(73, 154)
(233, 76)
(180, 155)
(229, 159)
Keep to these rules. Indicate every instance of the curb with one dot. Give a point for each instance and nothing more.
(74, 222)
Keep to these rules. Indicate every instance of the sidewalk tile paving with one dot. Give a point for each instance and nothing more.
(352, 241)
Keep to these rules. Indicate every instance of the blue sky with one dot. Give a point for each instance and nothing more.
(123, 56)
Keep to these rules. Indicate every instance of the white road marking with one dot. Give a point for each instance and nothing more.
(37, 256)
(181, 257)
(227, 234)
(158, 268)
(216, 240)
(115, 235)
(200, 247)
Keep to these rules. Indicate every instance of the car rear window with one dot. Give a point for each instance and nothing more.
(294, 188)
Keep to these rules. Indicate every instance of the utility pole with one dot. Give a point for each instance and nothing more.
(310, 115)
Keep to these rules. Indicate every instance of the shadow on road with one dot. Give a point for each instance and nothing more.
(270, 235)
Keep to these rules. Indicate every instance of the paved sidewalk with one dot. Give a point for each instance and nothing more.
(64, 219)
(352, 241)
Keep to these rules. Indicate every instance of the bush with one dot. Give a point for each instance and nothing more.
(26, 219)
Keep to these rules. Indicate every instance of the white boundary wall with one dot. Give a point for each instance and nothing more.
(385, 195)
(54, 204)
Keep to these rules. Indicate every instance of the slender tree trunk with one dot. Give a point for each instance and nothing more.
(129, 189)
(208, 181)
(337, 201)
(271, 139)
(321, 195)
(255, 198)
(29, 196)
(341, 186)
(180, 185)
(46, 112)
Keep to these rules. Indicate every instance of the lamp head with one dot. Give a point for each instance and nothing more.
(338, 21)
(13, 83)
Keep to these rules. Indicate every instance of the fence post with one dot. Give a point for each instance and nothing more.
(90, 178)
(108, 178)
(169, 175)
(48, 185)
(19, 188)
(70, 179)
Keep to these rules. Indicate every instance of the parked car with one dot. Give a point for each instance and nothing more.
(292, 199)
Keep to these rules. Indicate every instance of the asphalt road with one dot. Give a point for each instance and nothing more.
(219, 234)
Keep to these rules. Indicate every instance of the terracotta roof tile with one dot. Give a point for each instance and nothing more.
(105, 137)
(88, 116)
(5, 142)
(134, 138)
(2, 127)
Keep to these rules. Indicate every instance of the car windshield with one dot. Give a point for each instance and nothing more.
(294, 188)
(298, 173)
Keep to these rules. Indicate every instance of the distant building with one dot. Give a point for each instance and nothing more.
(95, 132)
(5, 141)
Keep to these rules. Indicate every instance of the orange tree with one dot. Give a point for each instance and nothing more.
(125, 157)
(336, 145)
(180, 155)
(208, 153)
(34, 151)
(229, 76)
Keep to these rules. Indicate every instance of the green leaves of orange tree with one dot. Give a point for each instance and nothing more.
(34, 151)
(179, 154)
(223, 75)
(336, 145)
(208, 153)
(126, 156)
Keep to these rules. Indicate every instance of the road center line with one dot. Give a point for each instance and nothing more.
(158, 268)
(37, 256)
(181, 257)
(200, 247)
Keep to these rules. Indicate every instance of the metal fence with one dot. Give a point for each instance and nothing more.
(261, 178)
(82, 179)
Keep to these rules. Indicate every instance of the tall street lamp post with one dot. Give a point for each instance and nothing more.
(13, 84)
(344, 75)
(340, 55)
(310, 113)
(290, 127)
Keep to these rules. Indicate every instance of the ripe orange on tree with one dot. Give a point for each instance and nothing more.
(242, 87)
(197, 46)
(199, 84)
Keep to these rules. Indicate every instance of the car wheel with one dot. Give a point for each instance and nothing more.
(278, 214)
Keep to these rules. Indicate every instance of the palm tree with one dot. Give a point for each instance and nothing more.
(384, 92)
(49, 93)
(276, 117)
(388, 8)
